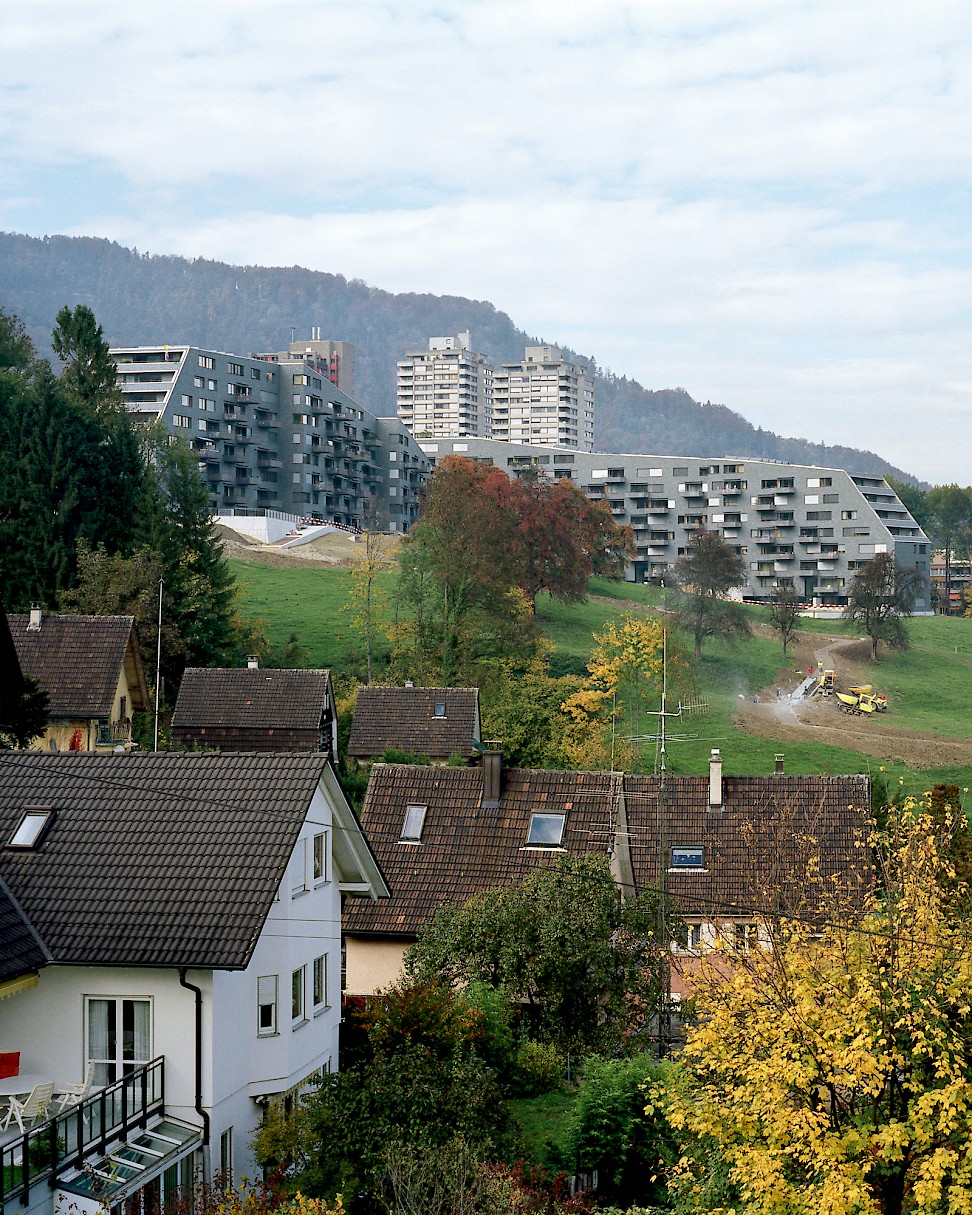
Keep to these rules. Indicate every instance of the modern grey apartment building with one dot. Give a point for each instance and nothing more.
(277, 434)
(811, 527)
(445, 390)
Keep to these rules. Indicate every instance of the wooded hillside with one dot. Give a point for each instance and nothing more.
(143, 299)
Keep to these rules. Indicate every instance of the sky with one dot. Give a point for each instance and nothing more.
(766, 203)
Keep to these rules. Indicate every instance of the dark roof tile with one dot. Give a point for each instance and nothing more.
(405, 719)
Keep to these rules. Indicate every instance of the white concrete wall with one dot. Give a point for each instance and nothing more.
(265, 528)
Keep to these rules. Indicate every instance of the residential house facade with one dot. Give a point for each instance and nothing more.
(174, 925)
(249, 709)
(437, 723)
(91, 669)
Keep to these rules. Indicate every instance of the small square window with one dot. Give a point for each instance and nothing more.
(688, 937)
(440, 710)
(414, 822)
(31, 828)
(546, 830)
(688, 858)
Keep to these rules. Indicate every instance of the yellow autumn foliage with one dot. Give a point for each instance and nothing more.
(834, 1071)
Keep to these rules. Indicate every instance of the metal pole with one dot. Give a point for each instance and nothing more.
(158, 672)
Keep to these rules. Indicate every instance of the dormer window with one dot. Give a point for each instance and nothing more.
(32, 826)
(688, 858)
(414, 822)
(546, 830)
(440, 710)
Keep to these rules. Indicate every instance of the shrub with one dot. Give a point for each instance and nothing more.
(539, 1068)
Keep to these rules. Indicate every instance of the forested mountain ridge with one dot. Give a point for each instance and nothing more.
(142, 299)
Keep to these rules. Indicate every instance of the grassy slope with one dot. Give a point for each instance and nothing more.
(929, 683)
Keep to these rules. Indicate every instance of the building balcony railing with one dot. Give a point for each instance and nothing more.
(48, 1149)
(115, 733)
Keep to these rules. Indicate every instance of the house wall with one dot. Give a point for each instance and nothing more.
(246, 1065)
(372, 964)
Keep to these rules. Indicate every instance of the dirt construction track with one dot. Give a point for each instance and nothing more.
(773, 715)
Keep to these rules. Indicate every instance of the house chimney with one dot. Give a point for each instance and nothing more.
(252, 662)
(492, 775)
(715, 780)
(409, 684)
(36, 616)
(779, 763)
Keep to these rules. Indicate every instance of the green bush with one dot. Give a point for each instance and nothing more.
(539, 1068)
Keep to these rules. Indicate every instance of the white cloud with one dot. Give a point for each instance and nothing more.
(764, 201)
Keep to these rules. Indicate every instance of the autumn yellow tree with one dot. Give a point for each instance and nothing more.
(367, 596)
(833, 1073)
(624, 680)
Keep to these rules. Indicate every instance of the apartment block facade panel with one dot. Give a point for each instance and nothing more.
(812, 528)
(277, 434)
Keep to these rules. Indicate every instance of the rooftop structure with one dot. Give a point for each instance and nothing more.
(544, 400)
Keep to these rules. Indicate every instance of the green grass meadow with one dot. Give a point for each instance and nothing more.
(929, 685)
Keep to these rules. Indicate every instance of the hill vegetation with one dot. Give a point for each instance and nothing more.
(141, 299)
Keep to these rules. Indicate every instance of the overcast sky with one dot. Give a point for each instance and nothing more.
(767, 203)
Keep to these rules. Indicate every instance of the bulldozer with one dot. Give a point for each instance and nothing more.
(858, 701)
(826, 684)
(866, 690)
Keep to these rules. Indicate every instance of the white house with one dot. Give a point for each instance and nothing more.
(172, 923)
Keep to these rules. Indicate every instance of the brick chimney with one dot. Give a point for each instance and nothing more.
(36, 616)
(492, 775)
(715, 780)
(252, 662)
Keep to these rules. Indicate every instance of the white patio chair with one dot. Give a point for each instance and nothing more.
(74, 1094)
(25, 1112)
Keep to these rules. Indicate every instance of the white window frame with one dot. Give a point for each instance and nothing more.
(537, 819)
(682, 858)
(320, 858)
(319, 983)
(410, 833)
(268, 987)
(118, 1063)
(298, 869)
(298, 996)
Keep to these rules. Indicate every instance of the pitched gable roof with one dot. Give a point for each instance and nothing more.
(776, 844)
(78, 661)
(465, 849)
(265, 708)
(21, 950)
(405, 719)
(161, 860)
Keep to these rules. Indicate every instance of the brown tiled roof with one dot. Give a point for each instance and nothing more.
(778, 841)
(244, 709)
(464, 848)
(78, 661)
(404, 719)
(156, 860)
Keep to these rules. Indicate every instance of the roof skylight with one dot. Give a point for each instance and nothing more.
(414, 822)
(30, 829)
(546, 830)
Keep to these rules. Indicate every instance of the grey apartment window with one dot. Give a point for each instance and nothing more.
(413, 824)
(234, 368)
(267, 1005)
(208, 362)
(254, 373)
(198, 382)
(688, 857)
(546, 830)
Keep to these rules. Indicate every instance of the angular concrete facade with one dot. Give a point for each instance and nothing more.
(277, 435)
(813, 527)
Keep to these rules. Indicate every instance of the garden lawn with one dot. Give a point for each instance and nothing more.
(541, 1121)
